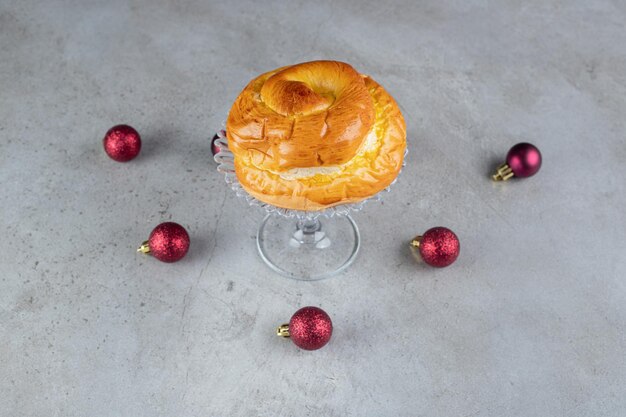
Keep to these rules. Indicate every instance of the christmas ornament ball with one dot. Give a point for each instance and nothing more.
(168, 242)
(310, 328)
(524, 159)
(122, 143)
(438, 247)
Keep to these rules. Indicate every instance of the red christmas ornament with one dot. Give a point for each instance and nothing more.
(310, 328)
(523, 160)
(168, 242)
(216, 147)
(438, 247)
(122, 143)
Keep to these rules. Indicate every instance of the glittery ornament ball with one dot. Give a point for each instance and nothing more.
(310, 328)
(439, 247)
(122, 143)
(169, 242)
(524, 159)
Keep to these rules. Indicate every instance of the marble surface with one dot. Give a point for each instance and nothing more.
(530, 321)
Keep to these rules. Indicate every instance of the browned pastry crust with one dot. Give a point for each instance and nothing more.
(314, 135)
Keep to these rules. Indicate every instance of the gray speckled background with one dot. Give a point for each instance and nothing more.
(530, 321)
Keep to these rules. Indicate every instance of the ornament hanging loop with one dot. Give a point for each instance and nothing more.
(283, 330)
(415, 243)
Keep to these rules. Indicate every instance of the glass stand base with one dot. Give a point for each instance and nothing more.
(308, 249)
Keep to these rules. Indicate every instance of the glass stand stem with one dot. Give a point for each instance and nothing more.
(309, 233)
(306, 249)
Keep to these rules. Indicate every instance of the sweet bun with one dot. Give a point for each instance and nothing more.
(314, 135)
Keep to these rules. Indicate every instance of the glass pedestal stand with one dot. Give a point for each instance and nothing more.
(308, 248)
(304, 245)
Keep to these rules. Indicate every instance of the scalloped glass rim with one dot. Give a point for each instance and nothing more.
(224, 158)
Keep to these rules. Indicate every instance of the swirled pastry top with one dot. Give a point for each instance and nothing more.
(316, 134)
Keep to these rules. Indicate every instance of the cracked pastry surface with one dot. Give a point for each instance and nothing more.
(314, 135)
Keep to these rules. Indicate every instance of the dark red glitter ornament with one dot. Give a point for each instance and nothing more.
(523, 160)
(168, 242)
(310, 328)
(438, 247)
(122, 143)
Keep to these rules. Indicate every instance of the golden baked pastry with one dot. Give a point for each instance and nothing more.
(314, 135)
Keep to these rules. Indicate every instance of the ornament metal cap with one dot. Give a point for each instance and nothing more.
(283, 330)
(145, 247)
(415, 243)
(503, 173)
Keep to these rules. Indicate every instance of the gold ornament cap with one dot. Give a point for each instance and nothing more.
(283, 330)
(503, 173)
